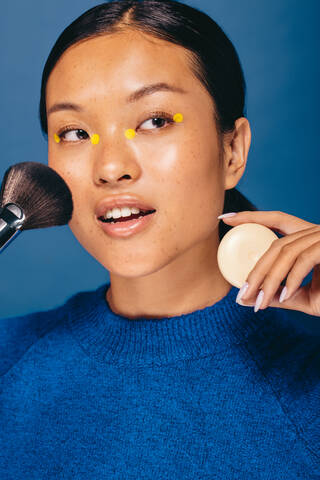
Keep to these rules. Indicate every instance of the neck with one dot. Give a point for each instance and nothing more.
(191, 282)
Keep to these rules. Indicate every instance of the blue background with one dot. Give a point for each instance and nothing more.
(278, 45)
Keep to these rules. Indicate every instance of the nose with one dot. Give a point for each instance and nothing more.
(115, 161)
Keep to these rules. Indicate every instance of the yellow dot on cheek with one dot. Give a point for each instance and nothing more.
(56, 138)
(178, 117)
(95, 139)
(130, 133)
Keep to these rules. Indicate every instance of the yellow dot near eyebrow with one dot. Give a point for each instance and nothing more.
(178, 117)
(95, 139)
(130, 133)
(56, 138)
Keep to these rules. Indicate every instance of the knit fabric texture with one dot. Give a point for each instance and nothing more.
(219, 393)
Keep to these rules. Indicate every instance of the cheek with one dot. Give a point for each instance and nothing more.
(187, 186)
(185, 173)
(77, 180)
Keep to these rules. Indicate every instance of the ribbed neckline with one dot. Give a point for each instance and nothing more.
(112, 338)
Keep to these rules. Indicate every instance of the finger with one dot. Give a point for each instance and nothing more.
(282, 222)
(308, 300)
(298, 301)
(305, 262)
(301, 267)
(282, 258)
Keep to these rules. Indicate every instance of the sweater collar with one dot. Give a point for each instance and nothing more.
(113, 338)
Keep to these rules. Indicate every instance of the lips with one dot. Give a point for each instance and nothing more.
(129, 228)
(121, 201)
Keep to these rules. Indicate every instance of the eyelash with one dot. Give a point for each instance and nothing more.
(154, 115)
(159, 115)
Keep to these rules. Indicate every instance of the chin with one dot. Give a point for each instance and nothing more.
(133, 271)
(131, 267)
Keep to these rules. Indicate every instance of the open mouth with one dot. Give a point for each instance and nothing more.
(126, 219)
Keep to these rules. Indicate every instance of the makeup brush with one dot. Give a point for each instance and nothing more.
(32, 195)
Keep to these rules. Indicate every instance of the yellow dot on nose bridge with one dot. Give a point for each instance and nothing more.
(178, 117)
(56, 138)
(95, 139)
(130, 133)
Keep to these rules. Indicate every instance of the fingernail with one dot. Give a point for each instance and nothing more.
(283, 294)
(259, 301)
(231, 214)
(242, 291)
(243, 304)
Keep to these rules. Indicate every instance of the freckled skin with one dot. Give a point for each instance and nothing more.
(170, 268)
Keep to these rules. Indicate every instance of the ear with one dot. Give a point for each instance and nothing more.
(236, 149)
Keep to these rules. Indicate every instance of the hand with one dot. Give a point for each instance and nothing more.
(292, 256)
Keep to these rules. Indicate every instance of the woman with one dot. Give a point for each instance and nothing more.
(161, 373)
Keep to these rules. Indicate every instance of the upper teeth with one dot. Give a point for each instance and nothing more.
(121, 212)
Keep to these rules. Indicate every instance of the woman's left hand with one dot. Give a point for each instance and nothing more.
(293, 256)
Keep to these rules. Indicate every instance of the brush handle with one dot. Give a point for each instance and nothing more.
(10, 224)
(5, 240)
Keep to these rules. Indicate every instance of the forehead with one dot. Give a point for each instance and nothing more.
(124, 61)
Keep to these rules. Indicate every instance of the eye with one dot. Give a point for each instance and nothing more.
(73, 135)
(158, 120)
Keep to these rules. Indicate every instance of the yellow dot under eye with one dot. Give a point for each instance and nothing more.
(95, 139)
(130, 133)
(178, 117)
(56, 138)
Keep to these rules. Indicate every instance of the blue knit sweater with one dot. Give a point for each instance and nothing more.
(219, 393)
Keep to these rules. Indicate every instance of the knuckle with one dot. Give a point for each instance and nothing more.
(286, 249)
(304, 256)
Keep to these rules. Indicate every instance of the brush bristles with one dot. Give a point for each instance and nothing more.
(40, 191)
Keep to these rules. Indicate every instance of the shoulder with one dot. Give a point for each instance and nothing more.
(287, 353)
(18, 334)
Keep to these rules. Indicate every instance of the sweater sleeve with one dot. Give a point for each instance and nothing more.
(288, 356)
(18, 334)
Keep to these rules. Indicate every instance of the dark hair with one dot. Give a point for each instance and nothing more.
(213, 59)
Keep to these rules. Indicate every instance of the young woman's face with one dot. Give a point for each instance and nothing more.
(174, 167)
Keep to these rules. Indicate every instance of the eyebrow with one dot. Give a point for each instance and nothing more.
(133, 97)
(57, 107)
(154, 87)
